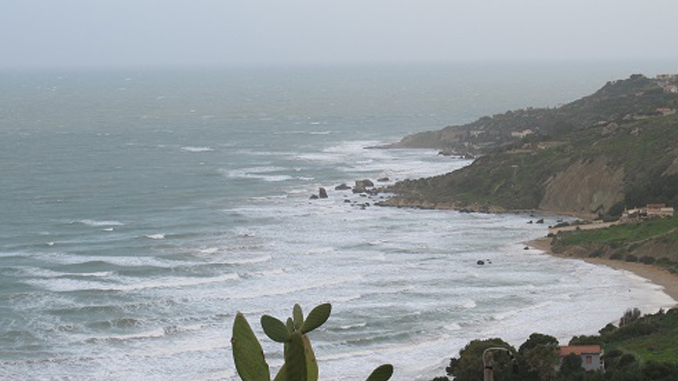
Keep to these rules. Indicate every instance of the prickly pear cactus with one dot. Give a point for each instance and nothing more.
(300, 363)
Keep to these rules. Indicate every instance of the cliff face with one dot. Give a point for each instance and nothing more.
(588, 169)
(584, 187)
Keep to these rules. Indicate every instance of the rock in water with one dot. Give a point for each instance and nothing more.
(540, 221)
(322, 193)
(480, 263)
(314, 197)
(342, 186)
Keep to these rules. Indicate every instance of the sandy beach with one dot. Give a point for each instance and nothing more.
(654, 274)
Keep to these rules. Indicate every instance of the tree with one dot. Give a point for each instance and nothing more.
(537, 339)
(629, 317)
(469, 366)
(571, 368)
(543, 360)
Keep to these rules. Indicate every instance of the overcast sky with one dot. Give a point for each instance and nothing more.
(112, 33)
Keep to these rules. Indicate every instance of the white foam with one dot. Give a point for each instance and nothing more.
(259, 173)
(155, 236)
(89, 222)
(319, 250)
(67, 285)
(246, 261)
(197, 149)
(352, 326)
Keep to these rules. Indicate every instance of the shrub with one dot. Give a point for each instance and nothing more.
(616, 256)
(613, 354)
(629, 317)
(585, 340)
(607, 329)
(647, 260)
(664, 261)
(631, 258)
(626, 360)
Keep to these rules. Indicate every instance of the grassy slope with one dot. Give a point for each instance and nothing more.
(514, 177)
(625, 234)
(614, 101)
(652, 338)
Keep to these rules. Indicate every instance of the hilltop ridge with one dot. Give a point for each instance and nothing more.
(592, 157)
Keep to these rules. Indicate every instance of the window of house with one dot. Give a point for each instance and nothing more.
(589, 359)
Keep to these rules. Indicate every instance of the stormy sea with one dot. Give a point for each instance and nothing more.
(141, 210)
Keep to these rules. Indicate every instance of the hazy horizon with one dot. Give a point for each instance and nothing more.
(39, 34)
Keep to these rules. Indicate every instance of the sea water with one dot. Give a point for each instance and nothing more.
(141, 210)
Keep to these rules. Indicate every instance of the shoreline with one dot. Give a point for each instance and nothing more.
(654, 274)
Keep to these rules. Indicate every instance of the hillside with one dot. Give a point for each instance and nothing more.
(650, 242)
(615, 148)
(623, 100)
(638, 348)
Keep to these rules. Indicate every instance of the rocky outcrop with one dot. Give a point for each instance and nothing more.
(362, 185)
(322, 193)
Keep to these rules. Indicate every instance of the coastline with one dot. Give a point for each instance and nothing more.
(656, 275)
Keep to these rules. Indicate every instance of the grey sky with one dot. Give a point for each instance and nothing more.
(98, 33)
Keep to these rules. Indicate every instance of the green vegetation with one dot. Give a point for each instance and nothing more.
(617, 130)
(640, 349)
(623, 234)
(300, 363)
(651, 242)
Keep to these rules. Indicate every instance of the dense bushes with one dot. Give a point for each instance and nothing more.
(625, 358)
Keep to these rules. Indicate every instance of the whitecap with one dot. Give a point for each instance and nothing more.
(319, 250)
(68, 285)
(453, 327)
(246, 261)
(89, 222)
(468, 303)
(351, 326)
(134, 336)
(155, 236)
(260, 173)
(197, 149)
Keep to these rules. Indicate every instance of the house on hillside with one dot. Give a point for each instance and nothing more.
(591, 356)
(666, 111)
(659, 210)
(671, 89)
(521, 134)
(649, 211)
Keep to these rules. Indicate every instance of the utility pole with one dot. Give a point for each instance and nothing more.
(488, 362)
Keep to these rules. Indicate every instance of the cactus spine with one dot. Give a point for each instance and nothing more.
(300, 363)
